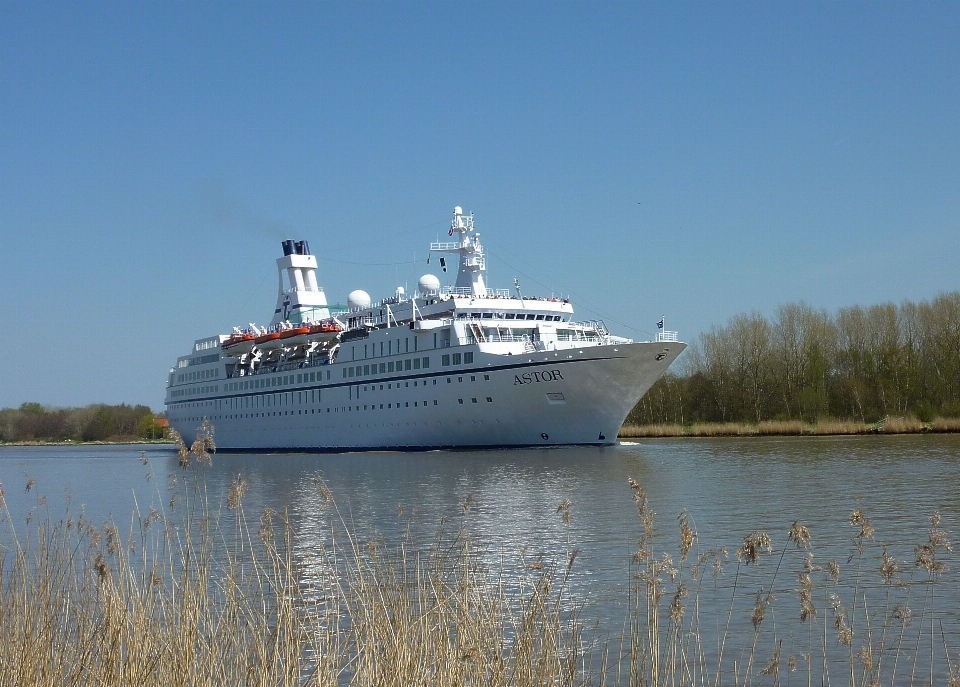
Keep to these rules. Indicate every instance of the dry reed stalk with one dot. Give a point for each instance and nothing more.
(640, 431)
(902, 425)
(722, 429)
(782, 428)
(946, 424)
(199, 595)
(840, 427)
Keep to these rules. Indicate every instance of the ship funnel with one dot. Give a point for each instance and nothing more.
(289, 247)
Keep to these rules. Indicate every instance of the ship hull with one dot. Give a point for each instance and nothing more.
(562, 397)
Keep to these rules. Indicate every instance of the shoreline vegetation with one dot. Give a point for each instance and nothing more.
(793, 428)
(98, 423)
(199, 591)
(804, 365)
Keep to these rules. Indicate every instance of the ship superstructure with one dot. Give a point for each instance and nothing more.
(455, 366)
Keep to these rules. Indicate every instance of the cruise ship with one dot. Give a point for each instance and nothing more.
(462, 366)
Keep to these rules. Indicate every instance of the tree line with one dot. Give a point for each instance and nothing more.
(861, 363)
(96, 422)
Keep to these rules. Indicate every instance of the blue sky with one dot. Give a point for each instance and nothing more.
(691, 160)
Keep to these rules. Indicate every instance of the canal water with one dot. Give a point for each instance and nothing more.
(728, 487)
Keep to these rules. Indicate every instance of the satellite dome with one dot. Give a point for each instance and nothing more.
(428, 285)
(358, 299)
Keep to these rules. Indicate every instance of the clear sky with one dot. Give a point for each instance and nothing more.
(693, 160)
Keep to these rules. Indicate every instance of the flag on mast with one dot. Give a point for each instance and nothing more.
(660, 323)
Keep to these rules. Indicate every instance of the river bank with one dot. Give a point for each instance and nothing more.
(889, 425)
(111, 441)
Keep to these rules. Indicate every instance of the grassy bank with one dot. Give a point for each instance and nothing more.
(890, 425)
(201, 592)
(109, 441)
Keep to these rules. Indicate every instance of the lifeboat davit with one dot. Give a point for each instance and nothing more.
(238, 344)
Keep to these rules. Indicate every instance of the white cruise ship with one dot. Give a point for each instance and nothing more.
(453, 367)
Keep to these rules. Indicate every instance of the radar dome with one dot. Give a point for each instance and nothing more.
(428, 284)
(358, 299)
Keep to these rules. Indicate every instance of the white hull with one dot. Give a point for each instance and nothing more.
(599, 386)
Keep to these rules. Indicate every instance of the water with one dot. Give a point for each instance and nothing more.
(730, 487)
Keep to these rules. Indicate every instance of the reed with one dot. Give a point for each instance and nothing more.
(945, 424)
(901, 425)
(640, 431)
(201, 593)
(840, 427)
(782, 428)
(722, 429)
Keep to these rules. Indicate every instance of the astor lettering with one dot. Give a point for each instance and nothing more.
(531, 377)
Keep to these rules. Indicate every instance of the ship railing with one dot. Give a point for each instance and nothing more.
(668, 337)
(468, 291)
(445, 245)
(577, 335)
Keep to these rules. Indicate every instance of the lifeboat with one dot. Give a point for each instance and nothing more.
(294, 337)
(238, 344)
(324, 331)
(268, 342)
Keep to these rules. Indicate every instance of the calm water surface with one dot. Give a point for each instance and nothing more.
(730, 487)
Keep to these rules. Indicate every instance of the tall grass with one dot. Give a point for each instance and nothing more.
(825, 427)
(201, 593)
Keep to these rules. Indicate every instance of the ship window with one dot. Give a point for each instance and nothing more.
(468, 358)
(426, 363)
(531, 317)
(383, 368)
(473, 378)
(434, 382)
(328, 374)
(299, 378)
(474, 314)
(445, 359)
(407, 404)
(406, 364)
(344, 373)
(473, 400)
(488, 315)
(486, 378)
(456, 358)
(366, 369)
(449, 379)
(416, 363)
(434, 402)
(460, 401)
(489, 400)
(539, 317)
(390, 366)
(313, 376)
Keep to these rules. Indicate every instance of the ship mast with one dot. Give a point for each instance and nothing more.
(467, 246)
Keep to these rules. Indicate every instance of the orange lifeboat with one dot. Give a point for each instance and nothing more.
(296, 331)
(268, 342)
(294, 337)
(238, 344)
(324, 331)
